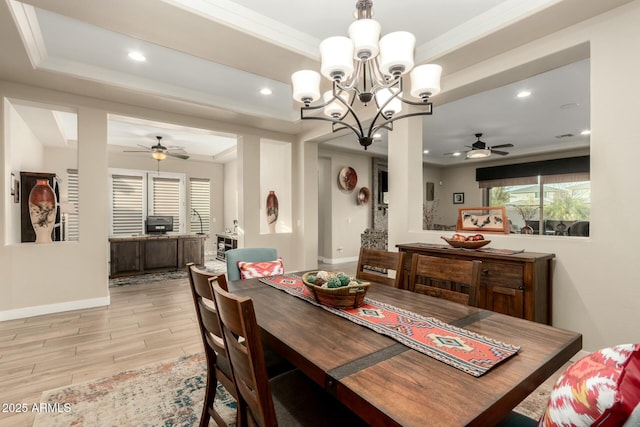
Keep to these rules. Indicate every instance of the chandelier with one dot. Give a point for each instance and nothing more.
(366, 67)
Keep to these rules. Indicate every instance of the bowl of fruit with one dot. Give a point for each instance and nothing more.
(473, 241)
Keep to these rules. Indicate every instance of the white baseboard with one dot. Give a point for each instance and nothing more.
(21, 313)
(337, 260)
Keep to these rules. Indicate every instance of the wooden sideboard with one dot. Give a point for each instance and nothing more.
(515, 284)
(149, 254)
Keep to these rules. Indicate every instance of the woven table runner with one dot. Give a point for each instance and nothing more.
(472, 353)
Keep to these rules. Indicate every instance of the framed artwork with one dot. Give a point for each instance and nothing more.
(458, 198)
(484, 219)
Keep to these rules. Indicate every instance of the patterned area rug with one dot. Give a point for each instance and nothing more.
(164, 394)
(213, 266)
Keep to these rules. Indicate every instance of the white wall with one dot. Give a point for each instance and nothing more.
(275, 175)
(348, 219)
(595, 281)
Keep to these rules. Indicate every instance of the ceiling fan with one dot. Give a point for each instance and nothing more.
(480, 149)
(160, 152)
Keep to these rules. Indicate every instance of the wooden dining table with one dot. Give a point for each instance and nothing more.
(389, 384)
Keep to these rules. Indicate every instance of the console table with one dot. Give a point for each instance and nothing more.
(150, 254)
(517, 284)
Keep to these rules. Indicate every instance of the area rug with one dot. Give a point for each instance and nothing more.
(468, 351)
(211, 266)
(163, 394)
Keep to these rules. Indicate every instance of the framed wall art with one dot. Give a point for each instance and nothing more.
(458, 198)
(483, 219)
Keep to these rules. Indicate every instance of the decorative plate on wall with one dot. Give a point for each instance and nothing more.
(347, 178)
(364, 195)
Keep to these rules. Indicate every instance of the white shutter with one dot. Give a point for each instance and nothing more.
(72, 197)
(127, 204)
(200, 201)
(166, 198)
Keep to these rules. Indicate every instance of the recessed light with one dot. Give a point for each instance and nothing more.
(456, 154)
(137, 56)
(266, 91)
(426, 151)
(523, 94)
(377, 135)
(586, 132)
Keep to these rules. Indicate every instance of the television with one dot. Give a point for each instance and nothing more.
(159, 224)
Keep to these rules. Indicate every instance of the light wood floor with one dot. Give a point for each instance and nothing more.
(145, 323)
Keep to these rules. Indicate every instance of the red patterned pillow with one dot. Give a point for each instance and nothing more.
(260, 269)
(601, 389)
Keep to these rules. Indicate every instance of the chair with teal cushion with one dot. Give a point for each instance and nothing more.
(247, 255)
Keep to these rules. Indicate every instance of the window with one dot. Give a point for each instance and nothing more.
(127, 206)
(137, 194)
(563, 209)
(200, 202)
(72, 231)
(166, 198)
(564, 204)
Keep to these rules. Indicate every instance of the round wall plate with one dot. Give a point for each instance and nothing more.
(347, 178)
(364, 195)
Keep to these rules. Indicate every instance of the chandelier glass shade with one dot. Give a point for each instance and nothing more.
(366, 68)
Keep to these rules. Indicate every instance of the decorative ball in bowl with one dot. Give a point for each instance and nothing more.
(474, 241)
(335, 289)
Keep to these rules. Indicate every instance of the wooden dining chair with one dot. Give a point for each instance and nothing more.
(372, 261)
(289, 399)
(218, 366)
(445, 278)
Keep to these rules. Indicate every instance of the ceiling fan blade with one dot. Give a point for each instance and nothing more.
(144, 146)
(135, 151)
(178, 155)
(502, 153)
(502, 146)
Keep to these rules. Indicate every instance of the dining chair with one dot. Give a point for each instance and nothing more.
(372, 261)
(218, 366)
(290, 399)
(444, 278)
(232, 257)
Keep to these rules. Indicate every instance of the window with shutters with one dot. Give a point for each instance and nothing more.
(137, 194)
(166, 197)
(127, 203)
(71, 224)
(200, 202)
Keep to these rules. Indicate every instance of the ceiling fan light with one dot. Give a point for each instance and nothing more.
(425, 80)
(478, 154)
(337, 58)
(159, 155)
(365, 34)
(396, 53)
(394, 106)
(306, 86)
(336, 108)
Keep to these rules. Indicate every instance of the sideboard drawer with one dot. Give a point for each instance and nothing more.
(503, 274)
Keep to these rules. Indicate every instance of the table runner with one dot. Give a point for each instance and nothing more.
(472, 353)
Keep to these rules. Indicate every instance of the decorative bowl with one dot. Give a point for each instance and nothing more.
(350, 296)
(472, 244)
